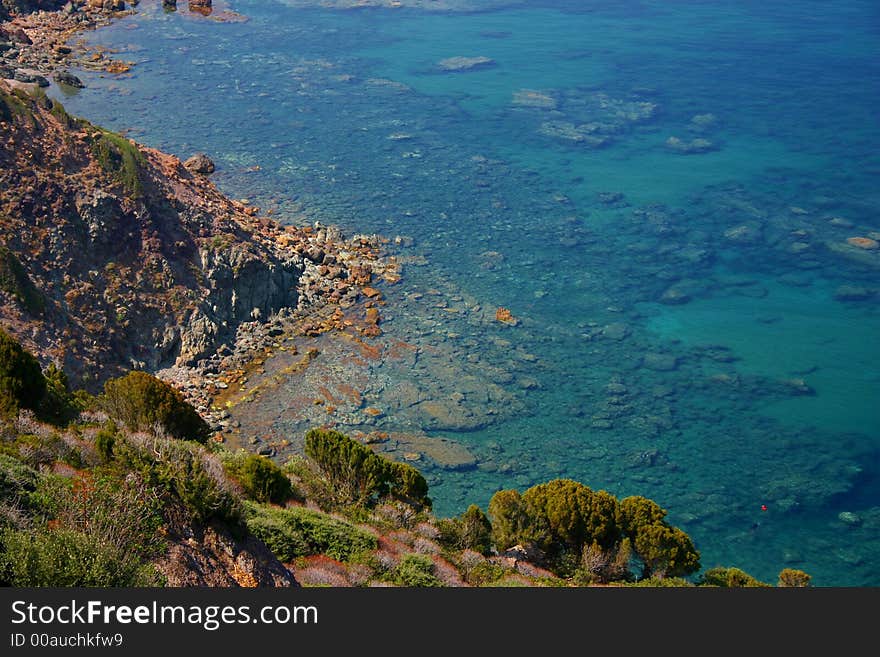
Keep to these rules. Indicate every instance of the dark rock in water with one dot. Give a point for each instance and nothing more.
(200, 164)
(266, 451)
(797, 387)
(170, 5)
(616, 331)
(690, 147)
(674, 296)
(610, 198)
(747, 233)
(64, 77)
(660, 362)
(853, 293)
(31, 78)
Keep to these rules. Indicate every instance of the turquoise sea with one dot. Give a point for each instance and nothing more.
(661, 192)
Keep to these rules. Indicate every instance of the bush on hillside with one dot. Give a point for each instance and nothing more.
(729, 578)
(65, 558)
(22, 384)
(259, 478)
(358, 475)
(469, 531)
(141, 402)
(298, 532)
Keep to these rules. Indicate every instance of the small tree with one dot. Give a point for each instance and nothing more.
(469, 531)
(259, 477)
(510, 519)
(142, 402)
(795, 578)
(59, 405)
(22, 384)
(729, 578)
(359, 475)
(665, 551)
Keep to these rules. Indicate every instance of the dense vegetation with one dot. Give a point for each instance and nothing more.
(94, 489)
(141, 402)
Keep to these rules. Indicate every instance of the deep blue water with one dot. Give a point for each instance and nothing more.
(677, 298)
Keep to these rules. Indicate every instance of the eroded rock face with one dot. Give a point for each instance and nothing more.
(141, 263)
(212, 557)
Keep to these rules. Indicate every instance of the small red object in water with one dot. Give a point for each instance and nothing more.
(763, 507)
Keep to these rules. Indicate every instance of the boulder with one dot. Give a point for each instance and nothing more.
(64, 77)
(200, 164)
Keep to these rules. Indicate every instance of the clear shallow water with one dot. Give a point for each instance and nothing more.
(667, 299)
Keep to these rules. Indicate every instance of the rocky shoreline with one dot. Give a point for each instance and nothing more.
(235, 285)
(39, 45)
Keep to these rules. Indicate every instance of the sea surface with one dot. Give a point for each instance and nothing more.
(661, 192)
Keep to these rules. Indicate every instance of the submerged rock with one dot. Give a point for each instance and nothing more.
(660, 362)
(534, 98)
(455, 64)
(616, 331)
(691, 147)
(849, 518)
(853, 293)
(866, 243)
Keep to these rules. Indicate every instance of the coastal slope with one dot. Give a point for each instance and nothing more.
(116, 256)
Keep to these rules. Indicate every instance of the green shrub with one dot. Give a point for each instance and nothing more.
(510, 519)
(469, 531)
(484, 573)
(120, 158)
(59, 405)
(141, 402)
(558, 518)
(17, 480)
(181, 473)
(793, 577)
(665, 582)
(259, 477)
(14, 105)
(105, 439)
(360, 476)
(664, 550)
(415, 570)
(298, 532)
(729, 578)
(570, 524)
(22, 384)
(45, 449)
(570, 515)
(66, 558)
(14, 280)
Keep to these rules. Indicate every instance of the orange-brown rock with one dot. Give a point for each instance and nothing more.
(504, 315)
(863, 243)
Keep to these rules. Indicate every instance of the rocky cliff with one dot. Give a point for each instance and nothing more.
(114, 255)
